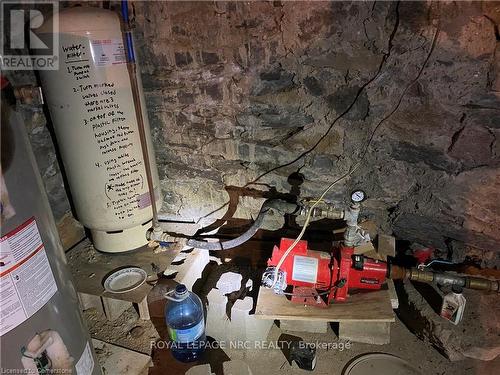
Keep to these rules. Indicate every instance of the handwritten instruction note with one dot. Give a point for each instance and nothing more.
(107, 116)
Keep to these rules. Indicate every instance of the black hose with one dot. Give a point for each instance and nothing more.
(277, 204)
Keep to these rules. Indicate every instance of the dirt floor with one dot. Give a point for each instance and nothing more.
(127, 331)
(404, 344)
(130, 332)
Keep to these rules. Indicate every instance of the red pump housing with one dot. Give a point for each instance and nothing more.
(314, 273)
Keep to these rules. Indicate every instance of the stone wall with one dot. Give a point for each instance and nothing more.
(248, 94)
(252, 99)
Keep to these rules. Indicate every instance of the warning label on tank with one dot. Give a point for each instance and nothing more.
(26, 279)
(107, 52)
(85, 364)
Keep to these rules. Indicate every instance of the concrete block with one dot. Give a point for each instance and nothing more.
(200, 370)
(239, 318)
(113, 308)
(236, 367)
(303, 326)
(258, 329)
(192, 268)
(245, 326)
(229, 282)
(117, 360)
(217, 320)
(241, 327)
(378, 333)
(89, 301)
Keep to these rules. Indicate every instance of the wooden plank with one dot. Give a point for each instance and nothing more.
(143, 309)
(367, 306)
(378, 333)
(386, 247)
(392, 294)
(90, 267)
(70, 231)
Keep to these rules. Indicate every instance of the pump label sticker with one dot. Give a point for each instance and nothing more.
(26, 279)
(305, 269)
(107, 52)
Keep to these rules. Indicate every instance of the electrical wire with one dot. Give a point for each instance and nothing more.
(361, 158)
(308, 218)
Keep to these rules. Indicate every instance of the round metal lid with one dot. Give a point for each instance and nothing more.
(379, 363)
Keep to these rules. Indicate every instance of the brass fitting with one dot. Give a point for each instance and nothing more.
(482, 284)
(442, 278)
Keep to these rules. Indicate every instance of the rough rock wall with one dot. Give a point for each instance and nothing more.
(248, 94)
(38, 128)
(259, 98)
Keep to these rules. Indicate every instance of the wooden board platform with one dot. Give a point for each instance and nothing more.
(369, 306)
(365, 306)
(90, 267)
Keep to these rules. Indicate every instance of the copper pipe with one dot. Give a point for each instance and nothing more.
(132, 70)
(443, 278)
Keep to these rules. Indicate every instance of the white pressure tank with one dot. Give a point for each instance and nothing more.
(92, 111)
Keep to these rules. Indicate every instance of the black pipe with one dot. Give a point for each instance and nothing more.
(276, 204)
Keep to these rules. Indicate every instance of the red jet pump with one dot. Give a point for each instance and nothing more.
(315, 273)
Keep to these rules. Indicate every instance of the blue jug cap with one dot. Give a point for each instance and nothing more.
(180, 289)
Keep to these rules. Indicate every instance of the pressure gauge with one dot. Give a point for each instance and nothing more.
(358, 196)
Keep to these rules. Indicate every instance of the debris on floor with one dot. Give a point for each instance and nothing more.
(229, 282)
(476, 336)
(240, 326)
(116, 360)
(236, 367)
(128, 331)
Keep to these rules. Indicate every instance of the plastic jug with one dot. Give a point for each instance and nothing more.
(186, 324)
(453, 305)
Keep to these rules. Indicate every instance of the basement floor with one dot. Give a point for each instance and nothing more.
(404, 344)
(129, 331)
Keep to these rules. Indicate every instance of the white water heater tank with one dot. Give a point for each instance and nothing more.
(92, 110)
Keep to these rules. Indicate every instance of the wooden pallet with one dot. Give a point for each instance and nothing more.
(364, 317)
(90, 267)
